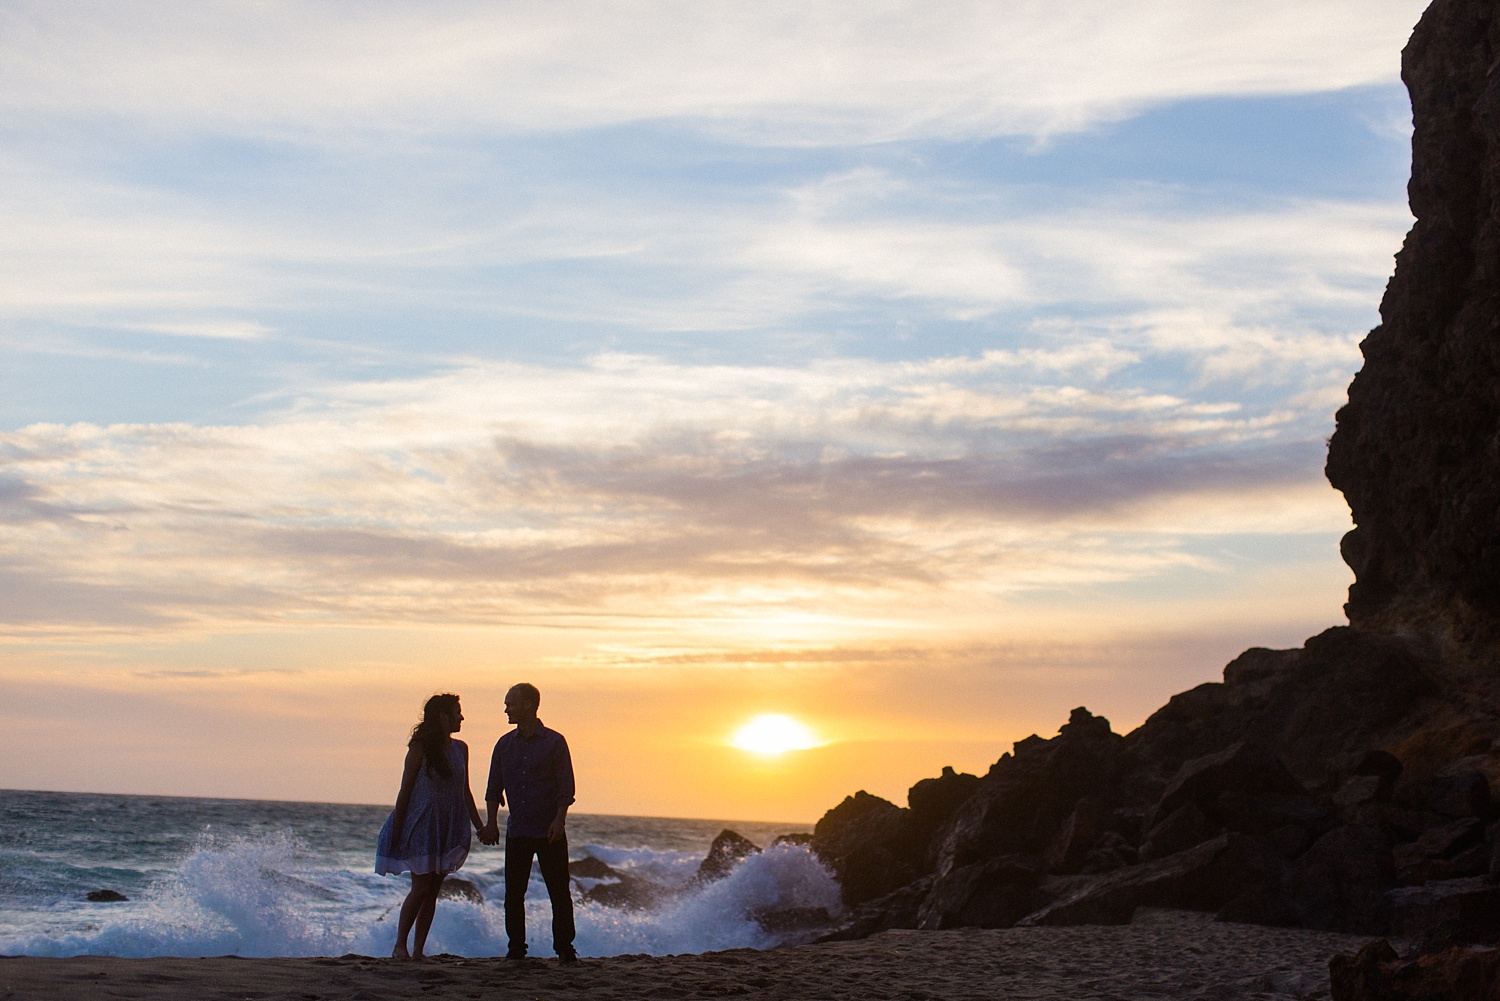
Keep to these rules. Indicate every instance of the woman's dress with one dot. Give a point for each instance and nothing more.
(437, 830)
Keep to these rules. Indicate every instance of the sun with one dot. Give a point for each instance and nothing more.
(773, 733)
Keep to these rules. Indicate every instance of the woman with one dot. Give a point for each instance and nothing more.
(427, 834)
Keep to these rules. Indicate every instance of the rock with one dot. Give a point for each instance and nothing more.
(1386, 731)
(1376, 973)
(1414, 449)
(1382, 764)
(1112, 852)
(1291, 840)
(1205, 877)
(616, 889)
(107, 896)
(457, 888)
(1180, 830)
(589, 867)
(1365, 976)
(1339, 884)
(1447, 912)
(782, 920)
(800, 838)
(1340, 695)
(1358, 790)
(1445, 852)
(1462, 794)
(992, 894)
(1492, 838)
(932, 801)
(1024, 800)
(1071, 846)
(897, 909)
(1264, 814)
(1240, 768)
(627, 893)
(728, 850)
(862, 841)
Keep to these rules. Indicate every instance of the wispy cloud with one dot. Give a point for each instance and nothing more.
(769, 72)
(1132, 258)
(508, 492)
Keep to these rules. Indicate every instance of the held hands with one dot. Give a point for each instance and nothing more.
(489, 834)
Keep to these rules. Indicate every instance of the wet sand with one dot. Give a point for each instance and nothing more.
(1162, 954)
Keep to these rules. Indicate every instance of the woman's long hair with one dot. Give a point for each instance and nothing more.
(432, 732)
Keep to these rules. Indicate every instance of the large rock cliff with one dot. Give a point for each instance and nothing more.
(1348, 784)
(1417, 448)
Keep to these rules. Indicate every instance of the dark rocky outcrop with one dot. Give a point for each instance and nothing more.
(727, 851)
(589, 867)
(862, 840)
(1321, 707)
(1443, 913)
(1205, 877)
(1377, 973)
(1340, 884)
(616, 888)
(626, 891)
(1348, 784)
(995, 893)
(1417, 448)
(1025, 799)
(107, 897)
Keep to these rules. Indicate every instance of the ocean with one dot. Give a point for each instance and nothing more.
(214, 877)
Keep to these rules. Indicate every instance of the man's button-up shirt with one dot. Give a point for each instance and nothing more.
(533, 776)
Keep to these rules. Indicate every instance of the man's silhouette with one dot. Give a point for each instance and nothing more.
(532, 772)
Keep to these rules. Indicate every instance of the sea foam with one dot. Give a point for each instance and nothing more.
(268, 895)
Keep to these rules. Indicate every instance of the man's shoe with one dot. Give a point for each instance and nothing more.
(567, 958)
(514, 956)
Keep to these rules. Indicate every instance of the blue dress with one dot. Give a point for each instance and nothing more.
(437, 829)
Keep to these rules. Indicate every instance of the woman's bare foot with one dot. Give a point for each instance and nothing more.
(400, 952)
(417, 957)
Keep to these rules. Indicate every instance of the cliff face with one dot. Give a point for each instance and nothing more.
(1417, 448)
(1351, 783)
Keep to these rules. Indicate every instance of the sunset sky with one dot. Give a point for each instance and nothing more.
(917, 371)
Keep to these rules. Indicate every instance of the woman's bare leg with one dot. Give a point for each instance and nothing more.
(432, 882)
(410, 908)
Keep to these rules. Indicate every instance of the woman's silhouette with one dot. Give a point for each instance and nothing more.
(428, 832)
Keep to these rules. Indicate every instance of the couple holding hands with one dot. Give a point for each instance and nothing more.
(428, 833)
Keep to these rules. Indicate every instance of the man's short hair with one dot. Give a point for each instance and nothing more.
(527, 691)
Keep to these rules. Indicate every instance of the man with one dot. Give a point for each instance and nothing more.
(532, 768)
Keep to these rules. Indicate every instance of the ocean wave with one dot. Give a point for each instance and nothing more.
(268, 895)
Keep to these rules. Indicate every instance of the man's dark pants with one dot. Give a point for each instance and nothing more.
(552, 858)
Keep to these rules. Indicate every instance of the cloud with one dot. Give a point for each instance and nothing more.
(1106, 367)
(767, 72)
(789, 259)
(506, 492)
(230, 330)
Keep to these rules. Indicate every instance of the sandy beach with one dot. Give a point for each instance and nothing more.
(1162, 954)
